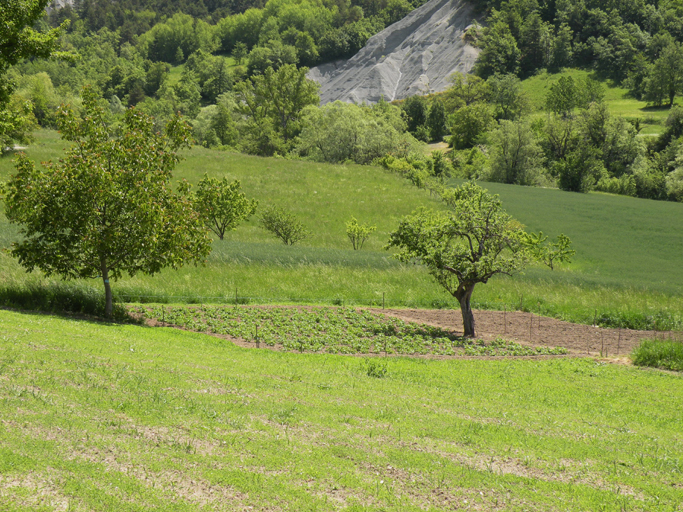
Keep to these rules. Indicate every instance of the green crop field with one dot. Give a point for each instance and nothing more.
(627, 267)
(105, 417)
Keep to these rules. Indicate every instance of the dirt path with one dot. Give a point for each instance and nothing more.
(531, 329)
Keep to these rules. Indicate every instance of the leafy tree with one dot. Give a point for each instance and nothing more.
(507, 96)
(239, 52)
(665, 80)
(536, 43)
(273, 104)
(516, 157)
(222, 205)
(222, 122)
(157, 73)
(274, 55)
(19, 40)
(552, 253)
(466, 90)
(469, 123)
(416, 109)
(107, 208)
(589, 91)
(177, 38)
(562, 96)
(499, 52)
(186, 94)
(615, 140)
(559, 137)
(562, 48)
(579, 170)
(339, 131)
(358, 233)
(468, 244)
(436, 121)
(16, 123)
(283, 225)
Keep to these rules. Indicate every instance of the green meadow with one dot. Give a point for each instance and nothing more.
(618, 99)
(626, 270)
(119, 417)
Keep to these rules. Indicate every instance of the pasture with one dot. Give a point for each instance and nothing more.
(617, 99)
(129, 418)
(626, 271)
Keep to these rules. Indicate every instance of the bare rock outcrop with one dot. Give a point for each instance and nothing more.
(413, 56)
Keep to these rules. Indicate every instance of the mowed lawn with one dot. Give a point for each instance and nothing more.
(626, 270)
(119, 417)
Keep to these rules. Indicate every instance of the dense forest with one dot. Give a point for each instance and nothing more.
(236, 70)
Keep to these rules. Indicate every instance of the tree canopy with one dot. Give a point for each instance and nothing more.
(107, 208)
(19, 40)
(471, 242)
(222, 204)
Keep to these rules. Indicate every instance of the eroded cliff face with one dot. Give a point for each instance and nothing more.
(413, 56)
(58, 4)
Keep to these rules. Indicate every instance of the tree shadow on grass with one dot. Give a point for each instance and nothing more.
(62, 299)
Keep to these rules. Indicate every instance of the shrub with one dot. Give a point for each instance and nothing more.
(665, 354)
(375, 368)
(358, 233)
(283, 225)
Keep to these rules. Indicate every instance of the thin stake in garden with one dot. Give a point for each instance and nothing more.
(619, 341)
(531, 323)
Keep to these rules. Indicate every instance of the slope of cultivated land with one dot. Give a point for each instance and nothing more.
(626, 271)
(108, 417)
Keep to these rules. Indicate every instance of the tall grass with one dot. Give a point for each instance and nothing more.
(665, 354)
(626, 271)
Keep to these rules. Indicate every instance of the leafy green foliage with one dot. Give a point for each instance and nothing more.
(469, 123)
(331, 331)
(664, 354)
(222, 205)
(469, 244)
(19, 40)
(562, 97)
(516, 157)
(340, 132)
(283, 225)
(506, 95)
(272, 105)
(500, 54)
(358, 233)
(107, 208)
(665, 80)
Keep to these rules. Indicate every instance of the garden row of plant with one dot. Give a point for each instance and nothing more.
(331, 330)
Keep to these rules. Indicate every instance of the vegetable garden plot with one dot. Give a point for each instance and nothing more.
(331, 330)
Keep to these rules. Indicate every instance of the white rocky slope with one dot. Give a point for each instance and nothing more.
(413, 56)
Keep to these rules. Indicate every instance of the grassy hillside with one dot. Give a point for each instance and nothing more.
(618, 100)
(111, 417)
(627, 265)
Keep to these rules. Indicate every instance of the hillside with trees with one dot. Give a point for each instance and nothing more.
(237, 73)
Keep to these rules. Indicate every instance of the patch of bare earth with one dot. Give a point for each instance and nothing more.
(534, 330)
(524, 328)
(34, 490)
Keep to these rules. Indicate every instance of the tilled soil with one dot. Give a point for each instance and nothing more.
(531, 329)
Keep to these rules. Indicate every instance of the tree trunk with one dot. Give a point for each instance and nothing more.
(109, 303)
(466, 310)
